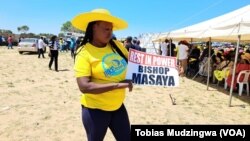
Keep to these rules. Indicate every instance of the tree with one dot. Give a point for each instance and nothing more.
(67, 27)
(23, 29)
(19, 29)
(28, 35)
(47, 35)
(5, 33)
(2, 31)
(61, 35)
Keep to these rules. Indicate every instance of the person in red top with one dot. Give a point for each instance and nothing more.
(242, 64)
(10, 42)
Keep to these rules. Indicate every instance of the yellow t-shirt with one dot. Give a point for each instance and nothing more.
(104, 66)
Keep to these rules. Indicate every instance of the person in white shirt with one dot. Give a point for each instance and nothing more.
(183, 56)
(41, 46)
(164, 48)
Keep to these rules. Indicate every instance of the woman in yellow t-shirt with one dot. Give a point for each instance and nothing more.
(100, 69)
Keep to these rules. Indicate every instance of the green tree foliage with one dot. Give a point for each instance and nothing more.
(3, 31)
(61, 35)
(67, 27)
(48, 35)
(23, 29)
(28, 35)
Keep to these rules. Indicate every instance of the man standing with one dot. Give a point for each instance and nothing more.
(10, 42)
(164, 47)
(171, 48)
(41, 46)
(183, 56)
(129, 44)
(72, 47)
(1, 40)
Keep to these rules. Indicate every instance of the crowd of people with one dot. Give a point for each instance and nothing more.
(99, 86)
(55, 45)
(132, 43)
(62, 44)
(193, 60)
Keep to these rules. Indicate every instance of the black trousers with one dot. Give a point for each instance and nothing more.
(40, 51)
(96, 122)
(54, 57)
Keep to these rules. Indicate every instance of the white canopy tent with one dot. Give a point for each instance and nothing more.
(233, 26)
(222, 28)
(146, 41)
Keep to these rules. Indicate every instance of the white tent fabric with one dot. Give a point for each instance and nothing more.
(233, 26)
(224, 28)
(146, 41)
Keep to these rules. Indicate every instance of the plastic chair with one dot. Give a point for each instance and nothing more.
(244, 81)
(225, 78)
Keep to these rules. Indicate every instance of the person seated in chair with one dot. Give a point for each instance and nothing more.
(225, 65)
(242, 64)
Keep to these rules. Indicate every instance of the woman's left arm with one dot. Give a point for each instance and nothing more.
(86, 86)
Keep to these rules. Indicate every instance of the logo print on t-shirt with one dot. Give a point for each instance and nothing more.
(113, 64)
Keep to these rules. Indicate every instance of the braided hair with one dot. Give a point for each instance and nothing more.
(89, 38)
(88, 35)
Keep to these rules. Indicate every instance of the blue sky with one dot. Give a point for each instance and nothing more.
(143, 16)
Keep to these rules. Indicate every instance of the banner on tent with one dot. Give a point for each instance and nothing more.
(149, 69)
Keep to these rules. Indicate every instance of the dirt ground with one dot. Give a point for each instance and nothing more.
(38, 104)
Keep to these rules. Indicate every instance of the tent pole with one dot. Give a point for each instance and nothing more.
(208, 63)
(170, 47)
(156, 51)
(234, 68)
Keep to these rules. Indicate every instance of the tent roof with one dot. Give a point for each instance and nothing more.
(222, 28)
